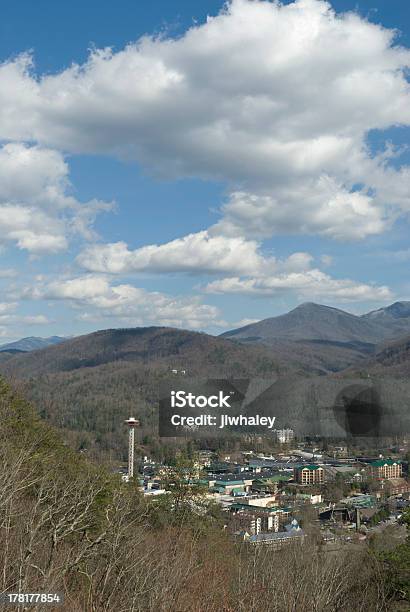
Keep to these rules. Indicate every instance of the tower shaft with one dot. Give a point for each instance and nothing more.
(132, 424)
(131, 452)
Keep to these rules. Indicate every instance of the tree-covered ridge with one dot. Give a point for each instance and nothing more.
(70, 527)
(159, 346)
(89, 385)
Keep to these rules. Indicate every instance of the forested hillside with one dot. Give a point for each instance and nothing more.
(318, 322)
(71, 528)
(324, 338)
(90, 384)
(392, 359)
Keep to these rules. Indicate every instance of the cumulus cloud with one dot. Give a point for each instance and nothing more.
(276, 100)
(36, 211)
(126, 303)
(322, 208)
(8, 318)
(311, 283)
(198, 253)
(250, 271)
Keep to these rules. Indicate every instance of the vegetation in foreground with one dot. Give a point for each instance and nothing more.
(68, 526)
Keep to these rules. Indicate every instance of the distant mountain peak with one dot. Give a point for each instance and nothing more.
(314, 322)
(310, 322)
(312, 306)
(308, 304)
(31, 343)
(397, 310)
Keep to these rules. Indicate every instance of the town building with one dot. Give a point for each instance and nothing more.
(292, 534)
(386, 468)
(261, 501)
(280, 515)
(359, 500)
(309, 498)
(309, 474)
(205, 458)
(230, 487)
(284, 436)
(398, 486)
(256, 522)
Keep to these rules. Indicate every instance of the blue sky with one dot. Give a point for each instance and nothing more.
(203, 172)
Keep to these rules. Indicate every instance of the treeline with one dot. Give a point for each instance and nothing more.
(67, 526)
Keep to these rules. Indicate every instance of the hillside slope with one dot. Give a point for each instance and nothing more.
(322, 338)
(391, 359)
(160, 347)
(327, 339)
(88, 385)
(309, 322)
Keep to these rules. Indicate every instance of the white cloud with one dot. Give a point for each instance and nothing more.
(81, 289)
(9, 318)
(26, 319)
(128, 304)
(275, 100)
(250, 271)
(313, 284)
(7, 307)
(320, 207)
(198, 253)
(36, 211)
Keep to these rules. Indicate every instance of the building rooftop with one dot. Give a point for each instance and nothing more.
(270, 479)
(229, 483)
(250, 508)
(383, 462)
(359, 501)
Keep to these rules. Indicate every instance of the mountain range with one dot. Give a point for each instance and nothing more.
(31, 343)
(311, 322)
(89, 384)
(326, 339)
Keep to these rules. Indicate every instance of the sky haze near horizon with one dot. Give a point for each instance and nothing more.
(201, 167)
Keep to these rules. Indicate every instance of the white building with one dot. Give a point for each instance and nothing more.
(284, 436)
